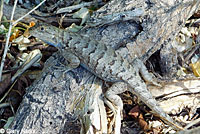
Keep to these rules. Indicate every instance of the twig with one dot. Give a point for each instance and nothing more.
(189, 55)
(4, 105)
(7, 40)
(1, 9)
(25, 66)
(192, 123)
(28, 13)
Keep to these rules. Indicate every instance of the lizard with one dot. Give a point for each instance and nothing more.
(103, 62)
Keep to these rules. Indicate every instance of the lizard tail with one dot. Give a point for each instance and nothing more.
(139, 88)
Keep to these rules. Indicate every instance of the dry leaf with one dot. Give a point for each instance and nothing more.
(32, 23)
(136, 114)
(22, 42)
(14, 35)
(196, 68)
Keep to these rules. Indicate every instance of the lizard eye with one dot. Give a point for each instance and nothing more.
(42, 28)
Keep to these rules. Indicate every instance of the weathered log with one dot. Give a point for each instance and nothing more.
(159, 24)
(50, 103)
(47, 105)
(153, 31)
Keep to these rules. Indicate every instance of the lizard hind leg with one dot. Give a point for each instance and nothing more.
(114, 102)
(141, 68)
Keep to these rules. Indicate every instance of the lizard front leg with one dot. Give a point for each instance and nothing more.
(72, 59)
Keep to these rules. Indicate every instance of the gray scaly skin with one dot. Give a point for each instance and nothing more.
(101, 61)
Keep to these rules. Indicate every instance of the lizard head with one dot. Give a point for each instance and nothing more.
(47, 33)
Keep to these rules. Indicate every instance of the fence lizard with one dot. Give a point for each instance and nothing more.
(104, 63)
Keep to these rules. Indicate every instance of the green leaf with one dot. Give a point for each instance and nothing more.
(6, 1)
(74, 28)
(83, 13)
(5, 22)
(9, 121)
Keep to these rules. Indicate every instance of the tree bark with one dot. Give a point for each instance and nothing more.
(56, 99)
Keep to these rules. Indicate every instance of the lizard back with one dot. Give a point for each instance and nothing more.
(100, 60)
